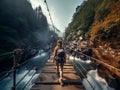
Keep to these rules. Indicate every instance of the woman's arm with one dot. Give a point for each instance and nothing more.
(54, 53)
(65, 54)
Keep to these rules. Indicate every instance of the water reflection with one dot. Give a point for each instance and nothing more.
(35, 64)
(95, 80)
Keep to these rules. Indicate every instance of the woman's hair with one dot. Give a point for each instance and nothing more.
(59, 42)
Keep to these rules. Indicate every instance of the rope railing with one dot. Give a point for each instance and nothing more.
(81, 52)
(7, 53)
(86, 73)
(32, 68)
(18, 65)
(11, 70)
(15, 61)
(116, 70)
(16, 55)
(12, 52)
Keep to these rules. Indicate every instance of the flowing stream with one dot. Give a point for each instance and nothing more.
(95, 80)
(33, 68)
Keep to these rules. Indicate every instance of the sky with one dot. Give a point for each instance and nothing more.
(61, 11)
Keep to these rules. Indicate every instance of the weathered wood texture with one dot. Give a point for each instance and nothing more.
(48, 79)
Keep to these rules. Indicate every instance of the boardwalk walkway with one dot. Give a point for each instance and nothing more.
(48, 79)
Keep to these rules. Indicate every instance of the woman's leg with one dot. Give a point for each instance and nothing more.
(61, 74)
(61, 70)
(57, 65)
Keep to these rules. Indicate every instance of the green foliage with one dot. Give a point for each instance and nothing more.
(103, 14)
(83, 19)
(90, 11)
(20, 25)
(103, 10)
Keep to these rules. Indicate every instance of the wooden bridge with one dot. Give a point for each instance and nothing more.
(49, 80)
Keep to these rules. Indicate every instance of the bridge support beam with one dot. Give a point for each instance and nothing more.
(17, 54)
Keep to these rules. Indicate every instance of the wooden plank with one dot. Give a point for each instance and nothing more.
(53, 78)
(49, 80)
(57, 87)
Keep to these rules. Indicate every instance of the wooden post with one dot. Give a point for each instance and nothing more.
(14, 73)
(14, 80)
(17, 54)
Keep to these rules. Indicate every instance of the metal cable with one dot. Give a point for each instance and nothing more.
(99, 61)
(79, 69)
(49, 14)
(19, 65)
(28, 81)
(88, 73)
(12, 52)
(83, 75)
(8, 53)
(24, 76)
(11, 70)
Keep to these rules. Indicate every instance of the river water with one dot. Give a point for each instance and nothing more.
(95, 80)
(38, 62)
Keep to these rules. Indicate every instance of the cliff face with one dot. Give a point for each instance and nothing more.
(91, 13)
(108, 28)
(82, 19)
(106, 35)
(99, 21)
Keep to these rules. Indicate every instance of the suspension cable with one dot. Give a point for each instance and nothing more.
(49, 14)
(19, 65)
(117, 71)
(29, 81)
(8, 53)
(24, 76)
(79, 69)
(11, 70)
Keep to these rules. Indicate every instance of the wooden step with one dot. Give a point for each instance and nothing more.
(57, 87)
(49, 80)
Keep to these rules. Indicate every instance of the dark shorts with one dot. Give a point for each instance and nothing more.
(60, 60)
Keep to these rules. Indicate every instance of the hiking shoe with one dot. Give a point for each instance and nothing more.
(61, 82)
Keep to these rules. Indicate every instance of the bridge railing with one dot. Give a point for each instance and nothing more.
(16, 55)
(110, 67)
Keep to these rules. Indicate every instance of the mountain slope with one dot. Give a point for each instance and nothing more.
(99, 22)
(20, 25)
